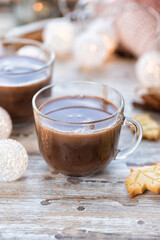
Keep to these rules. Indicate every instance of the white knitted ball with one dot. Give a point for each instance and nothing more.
(13, 160)
(5, 124)
(32, 51)
(59, 35)
(106, 29)
(148, 69)
(89, 50)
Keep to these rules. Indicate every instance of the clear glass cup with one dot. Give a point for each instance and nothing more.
(25, 67)
(82, 148)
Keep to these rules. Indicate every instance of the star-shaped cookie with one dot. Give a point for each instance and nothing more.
(144, 178)
(151, 129)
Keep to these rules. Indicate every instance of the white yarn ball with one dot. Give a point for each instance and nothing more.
(89, 50)
(32, 51)
(13, 160)
(59, 35)
(105, 28)
(148, 69)
(5, 124)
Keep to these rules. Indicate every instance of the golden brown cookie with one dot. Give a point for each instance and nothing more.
(144, 178)
(151, 129)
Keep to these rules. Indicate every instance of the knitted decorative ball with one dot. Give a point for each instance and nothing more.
(59, 35)
(105, 28)
(5, 124)
(148, 69)
(32, 51)
(13, 160)
(89, 50)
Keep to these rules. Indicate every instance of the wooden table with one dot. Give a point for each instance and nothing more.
(44, 204)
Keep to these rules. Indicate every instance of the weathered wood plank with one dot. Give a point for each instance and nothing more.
(45, 203)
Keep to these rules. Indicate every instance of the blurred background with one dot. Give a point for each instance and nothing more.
(92, 32)
(17, 12)
(143, 23)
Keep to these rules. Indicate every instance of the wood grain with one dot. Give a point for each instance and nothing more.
(44, 204)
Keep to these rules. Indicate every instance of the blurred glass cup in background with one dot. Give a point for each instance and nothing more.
(25, 67)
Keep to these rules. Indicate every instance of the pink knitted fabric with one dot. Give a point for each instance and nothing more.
(137, 28)
(155, 4)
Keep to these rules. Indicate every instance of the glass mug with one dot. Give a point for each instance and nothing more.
(25, 67)
(85, 146)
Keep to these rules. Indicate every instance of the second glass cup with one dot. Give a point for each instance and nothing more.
(78, 126)
(25, 67)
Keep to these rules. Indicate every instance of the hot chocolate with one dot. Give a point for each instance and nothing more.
(78, 141)
(20, 78)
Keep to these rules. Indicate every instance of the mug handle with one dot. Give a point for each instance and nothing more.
(134, 124)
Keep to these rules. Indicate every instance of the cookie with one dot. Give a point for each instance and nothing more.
(151, 129)
(144, 178)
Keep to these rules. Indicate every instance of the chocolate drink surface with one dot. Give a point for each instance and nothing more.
(20, 78)
(81, 143)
